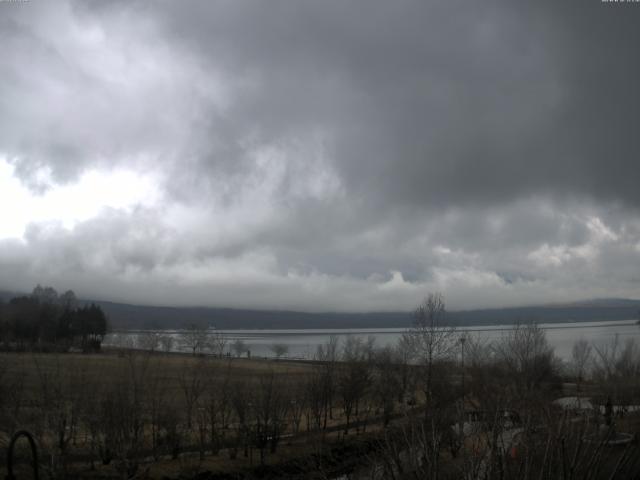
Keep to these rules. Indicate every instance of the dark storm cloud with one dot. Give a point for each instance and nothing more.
(437, 103)
(424, 103)
(331, 154)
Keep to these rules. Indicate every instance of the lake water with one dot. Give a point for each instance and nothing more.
(303, 343)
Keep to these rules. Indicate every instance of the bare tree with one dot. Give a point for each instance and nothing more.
(485, 380)
(170, 426)
(194, 338)
(119, 420)
(527, 358)
(298, 403)
(580, 358)
(386, 382)
(216, 404)
(328, 351)
(192, 383)
(148, 341)
(124, 341)
(61, 397)
(239, 347)
(12, 394)
(166, 343)
(328, 354)
(280, 349)
(432, 339)
(240, 404)
(478, 351)
(315, 392)
(617, 367)
(353, 378)
(403, 354)
(218, 343)
(156, 404)
(370, 347)
(269, 410)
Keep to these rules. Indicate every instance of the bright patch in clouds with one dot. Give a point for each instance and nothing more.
(71, 203)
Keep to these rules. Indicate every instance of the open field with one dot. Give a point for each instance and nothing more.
(174, 413)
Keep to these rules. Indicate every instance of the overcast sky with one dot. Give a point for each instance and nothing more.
(321, 155)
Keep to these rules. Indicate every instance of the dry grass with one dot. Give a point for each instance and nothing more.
(26, 374)
(108, 367)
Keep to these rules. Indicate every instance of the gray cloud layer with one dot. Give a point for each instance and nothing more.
(331, 155)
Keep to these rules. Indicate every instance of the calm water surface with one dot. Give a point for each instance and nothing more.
(303, 343)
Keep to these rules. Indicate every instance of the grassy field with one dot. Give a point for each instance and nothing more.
(64, 396)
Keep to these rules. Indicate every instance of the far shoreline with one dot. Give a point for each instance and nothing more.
(373, 330)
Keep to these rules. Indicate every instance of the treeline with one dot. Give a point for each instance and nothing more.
(46, 320)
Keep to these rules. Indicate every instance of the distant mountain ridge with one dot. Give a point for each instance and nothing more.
(124, 316)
